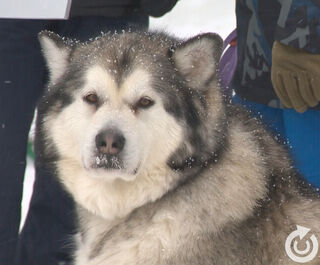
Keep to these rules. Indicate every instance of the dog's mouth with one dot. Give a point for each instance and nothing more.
(108, 162)
(111, 163)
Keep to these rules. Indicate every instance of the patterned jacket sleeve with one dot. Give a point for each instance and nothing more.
(299, 24)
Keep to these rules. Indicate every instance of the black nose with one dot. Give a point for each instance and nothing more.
(110, 142)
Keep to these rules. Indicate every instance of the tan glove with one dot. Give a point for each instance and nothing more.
(295, 76)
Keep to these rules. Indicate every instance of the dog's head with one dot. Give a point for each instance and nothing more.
(124, 104)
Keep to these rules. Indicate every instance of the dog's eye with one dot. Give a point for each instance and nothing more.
(91, 98)
(145, 102)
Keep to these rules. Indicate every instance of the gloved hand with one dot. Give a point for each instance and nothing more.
(295, 76)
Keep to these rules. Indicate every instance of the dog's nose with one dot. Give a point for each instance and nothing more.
(110, 142)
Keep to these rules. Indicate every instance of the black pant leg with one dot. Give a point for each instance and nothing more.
(21, 76)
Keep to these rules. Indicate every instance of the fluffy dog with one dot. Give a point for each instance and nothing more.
(162, 169)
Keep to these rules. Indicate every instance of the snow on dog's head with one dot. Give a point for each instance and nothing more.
(128, 108)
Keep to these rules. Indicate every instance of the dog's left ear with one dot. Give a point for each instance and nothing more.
(197, 59)
(56, 53)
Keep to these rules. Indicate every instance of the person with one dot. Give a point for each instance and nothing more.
(49, 223)
(278, 73)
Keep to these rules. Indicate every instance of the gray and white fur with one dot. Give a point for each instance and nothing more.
(162, 168)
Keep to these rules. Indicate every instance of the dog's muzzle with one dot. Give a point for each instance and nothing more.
(109, 145)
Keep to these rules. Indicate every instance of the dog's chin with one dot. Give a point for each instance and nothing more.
(109, 169)
(110, 174)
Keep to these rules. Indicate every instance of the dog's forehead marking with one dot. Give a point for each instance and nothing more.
(135, 85)
(98, 79)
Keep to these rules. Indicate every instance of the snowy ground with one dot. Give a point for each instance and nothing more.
(188, 18)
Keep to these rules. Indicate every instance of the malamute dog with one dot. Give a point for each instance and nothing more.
(162, 169)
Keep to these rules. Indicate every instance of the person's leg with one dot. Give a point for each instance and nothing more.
(21, 71)
(46, 235)
(303, 132)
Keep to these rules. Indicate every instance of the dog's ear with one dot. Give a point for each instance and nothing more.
(197, 58)
(56, 53)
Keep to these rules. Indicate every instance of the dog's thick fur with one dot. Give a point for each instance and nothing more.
(198, 181)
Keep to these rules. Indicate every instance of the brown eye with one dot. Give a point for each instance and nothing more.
(91, 98)
(145, 102)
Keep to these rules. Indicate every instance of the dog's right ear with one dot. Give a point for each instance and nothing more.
(56, 53)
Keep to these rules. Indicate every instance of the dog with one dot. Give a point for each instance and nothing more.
(162, 168)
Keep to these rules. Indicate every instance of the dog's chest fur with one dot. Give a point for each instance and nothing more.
(126, 241)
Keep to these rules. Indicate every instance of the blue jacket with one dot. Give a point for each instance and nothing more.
(259, 22)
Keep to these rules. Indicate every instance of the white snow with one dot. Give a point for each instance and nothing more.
(188, 18)
(191, 17)
(27, 189)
